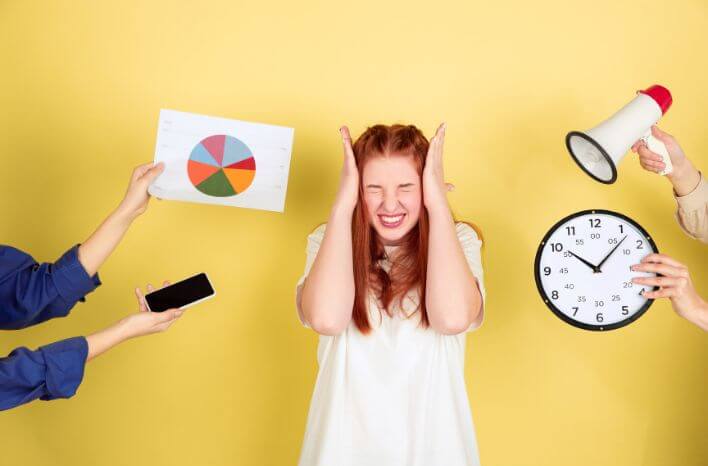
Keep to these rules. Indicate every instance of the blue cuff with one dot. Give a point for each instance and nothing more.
(65, 361)
(71, 279)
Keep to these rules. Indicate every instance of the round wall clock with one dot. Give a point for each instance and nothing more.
(583, 274)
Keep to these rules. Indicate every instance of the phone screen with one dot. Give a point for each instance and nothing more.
(180, 294)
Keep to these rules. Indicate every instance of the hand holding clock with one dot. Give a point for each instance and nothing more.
(675, 283)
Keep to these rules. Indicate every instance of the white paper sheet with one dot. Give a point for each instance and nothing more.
(258, 183)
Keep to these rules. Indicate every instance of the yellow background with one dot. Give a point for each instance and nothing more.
(81, 86)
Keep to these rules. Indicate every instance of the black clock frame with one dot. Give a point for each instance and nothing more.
(549, 302)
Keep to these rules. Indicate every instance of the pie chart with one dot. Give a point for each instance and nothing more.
(221, 166)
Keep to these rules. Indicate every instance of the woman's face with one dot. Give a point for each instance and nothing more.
(393, 195)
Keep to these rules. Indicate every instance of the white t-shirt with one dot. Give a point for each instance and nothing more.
(394, 397)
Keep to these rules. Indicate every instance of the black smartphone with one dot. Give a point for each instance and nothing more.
(181, 295)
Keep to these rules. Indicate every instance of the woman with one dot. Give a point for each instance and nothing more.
(391, 284)
(31, 293)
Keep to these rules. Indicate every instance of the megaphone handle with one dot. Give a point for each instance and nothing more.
(658, 147)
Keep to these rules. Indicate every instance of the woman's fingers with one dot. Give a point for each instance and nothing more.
(167, 319)
(647, 155)
(440, 134)
(150, 288)
(140, 170)
(658, 281)
(141, 300)
(346, 142)
(662, 293)
(166, 283)
(659, 258)
(653, 166)
(660, 268)
(650, 160)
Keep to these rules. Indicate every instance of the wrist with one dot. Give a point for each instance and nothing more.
(123, 215)
(684, 177)
(122, 330)
(439, 211)
(341, 211)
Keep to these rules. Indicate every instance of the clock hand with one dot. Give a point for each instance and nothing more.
(594, 268)
(609, 254)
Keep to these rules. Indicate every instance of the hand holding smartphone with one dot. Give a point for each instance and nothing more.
(181, 295)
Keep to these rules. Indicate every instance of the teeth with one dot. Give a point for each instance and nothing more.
(391, 219)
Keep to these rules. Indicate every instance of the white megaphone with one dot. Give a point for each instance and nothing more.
(599, 150)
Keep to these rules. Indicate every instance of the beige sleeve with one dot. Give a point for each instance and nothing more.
(472, 248)
(692, 211)
(314, 240)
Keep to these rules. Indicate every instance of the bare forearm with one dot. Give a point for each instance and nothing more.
(328, 293)
(697, 315)
(102, 341)
(452, 299)
(98, 247)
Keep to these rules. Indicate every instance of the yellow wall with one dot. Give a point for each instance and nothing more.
(82, 82)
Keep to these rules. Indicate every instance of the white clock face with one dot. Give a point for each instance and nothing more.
(583, 269)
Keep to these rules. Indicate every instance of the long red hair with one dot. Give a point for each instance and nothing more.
(408, 270)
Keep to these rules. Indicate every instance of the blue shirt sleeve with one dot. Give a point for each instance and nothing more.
(31, 293)
(53, 371)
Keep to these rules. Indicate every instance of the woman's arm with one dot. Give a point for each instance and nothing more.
(56, 370)
(453, 299)
(327, 297)
(96, 249)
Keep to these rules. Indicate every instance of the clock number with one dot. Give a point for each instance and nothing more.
(615, 297)
(579, 242)
(581, 299)
(569, 286)
(626, 284)
(640, 244)
(546, 271)
(599, 303)
(626, 252)
(570, 230)
(625, 310)
(575, 310)
(594, 235)
(621, 228)
(594, 222)
(599, 317)
(554, 294)
(556, 247)
(564, 270)
(612, 241)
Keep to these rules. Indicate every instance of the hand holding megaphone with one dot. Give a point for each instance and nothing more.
(659, 152)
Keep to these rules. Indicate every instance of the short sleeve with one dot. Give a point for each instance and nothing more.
(314, 240)
(472, 248)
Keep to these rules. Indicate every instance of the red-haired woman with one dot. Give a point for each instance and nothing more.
(392, 284)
